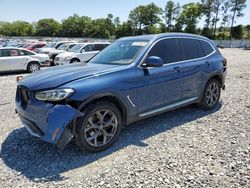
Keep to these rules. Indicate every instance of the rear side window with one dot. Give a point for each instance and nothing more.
(99, 47)
(207, 48)
(166, 49)
(24, 52)
(190, 48)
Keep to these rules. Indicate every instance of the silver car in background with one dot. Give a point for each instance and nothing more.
(81, 52)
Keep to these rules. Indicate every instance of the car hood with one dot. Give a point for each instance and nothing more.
(57, 76)
(46, 49)
(66, 54)
(55, 51)
(41, 57)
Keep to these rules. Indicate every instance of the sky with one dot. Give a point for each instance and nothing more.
(33, 10)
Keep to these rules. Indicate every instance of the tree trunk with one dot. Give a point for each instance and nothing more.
(231, 29)
(216, 20)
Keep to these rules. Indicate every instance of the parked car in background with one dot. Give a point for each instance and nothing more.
(33, 47)
(132, 79)
(81, 52)
(51, 46)
(15, 59)
(64, 47)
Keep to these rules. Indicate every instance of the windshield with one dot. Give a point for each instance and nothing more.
(120, 52)
(63, 46)
(50, 45)
(76, 48)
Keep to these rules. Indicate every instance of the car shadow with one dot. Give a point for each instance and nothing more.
(13, 73)
(40, 161)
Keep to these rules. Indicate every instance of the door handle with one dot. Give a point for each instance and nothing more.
(177, 69)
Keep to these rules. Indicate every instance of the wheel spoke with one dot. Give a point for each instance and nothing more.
(105, 133)
(92, 137)
(104, 139)
(95, 141)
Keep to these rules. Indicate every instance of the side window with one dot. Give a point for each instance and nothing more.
(99, 47)
(89, 48)
(70, 46)
(14, 52)
(166, 49)
(207, 48)
(23, 53)
(4, 53)
(190, 49)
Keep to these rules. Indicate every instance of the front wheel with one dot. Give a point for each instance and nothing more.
(211, 95)
(100, 127)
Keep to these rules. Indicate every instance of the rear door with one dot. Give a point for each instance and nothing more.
(16, 60)
(195, 67)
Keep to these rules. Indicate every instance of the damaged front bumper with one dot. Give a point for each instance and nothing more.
(48, 122)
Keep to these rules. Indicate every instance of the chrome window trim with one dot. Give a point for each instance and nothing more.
(177, 62)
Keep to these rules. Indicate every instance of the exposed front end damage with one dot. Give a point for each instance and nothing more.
(48, 122)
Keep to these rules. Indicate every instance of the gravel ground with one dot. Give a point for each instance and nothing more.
(184, 148)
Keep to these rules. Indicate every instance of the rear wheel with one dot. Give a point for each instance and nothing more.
(100, 127)
(211, 95)
(33, 67)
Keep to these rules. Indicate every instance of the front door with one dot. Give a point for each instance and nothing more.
(160, 86)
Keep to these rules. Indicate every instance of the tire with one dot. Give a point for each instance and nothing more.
(33, 67)
(211, 95)
(100, 127)
(74, 61)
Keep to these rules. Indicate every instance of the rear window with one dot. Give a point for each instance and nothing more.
(191, 49)
(166, 49)
(207, 48)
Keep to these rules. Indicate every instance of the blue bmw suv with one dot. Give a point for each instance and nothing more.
(132, 79)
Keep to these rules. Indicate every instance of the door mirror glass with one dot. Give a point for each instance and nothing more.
(154, 61)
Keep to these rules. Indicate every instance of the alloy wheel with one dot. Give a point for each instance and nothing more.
(34, 67)
(212, 94)
(100, 128)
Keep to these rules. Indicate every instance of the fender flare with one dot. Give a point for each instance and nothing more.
(219, 74)
(31, 61)
(99, 96)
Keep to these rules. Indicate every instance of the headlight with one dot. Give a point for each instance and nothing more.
(54, 95)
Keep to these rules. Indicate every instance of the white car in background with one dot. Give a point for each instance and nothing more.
(17, 59)
(51, 46)
(62, 48)
(81, 52)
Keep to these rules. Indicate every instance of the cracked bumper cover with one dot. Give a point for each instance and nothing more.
(51, 124)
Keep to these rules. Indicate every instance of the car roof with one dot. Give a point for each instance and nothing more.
(162, 35)
(14, 48)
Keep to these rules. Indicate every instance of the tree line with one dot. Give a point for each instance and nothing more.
(219, 18)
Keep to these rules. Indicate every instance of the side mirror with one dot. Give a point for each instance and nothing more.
(154, 61)
(83, 50)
